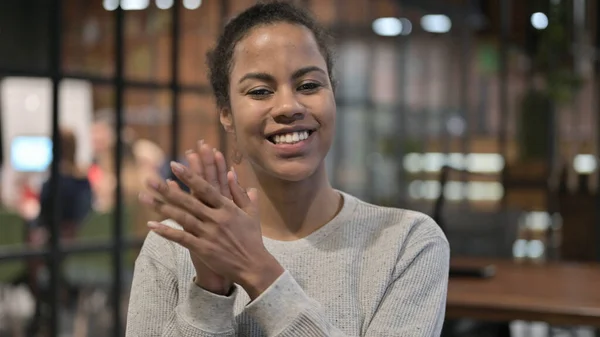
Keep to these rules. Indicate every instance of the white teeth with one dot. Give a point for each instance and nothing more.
(291, 138)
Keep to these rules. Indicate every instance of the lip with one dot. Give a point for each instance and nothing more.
(290, 129)
(293, 150)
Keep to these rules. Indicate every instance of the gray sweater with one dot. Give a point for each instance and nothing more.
(371, 271)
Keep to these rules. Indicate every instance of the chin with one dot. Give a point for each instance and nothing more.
(292, 170)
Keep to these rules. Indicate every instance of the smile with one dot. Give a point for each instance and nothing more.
(290, 137)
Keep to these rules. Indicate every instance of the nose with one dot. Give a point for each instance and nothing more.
(287, 108)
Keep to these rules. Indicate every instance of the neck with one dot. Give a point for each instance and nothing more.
(292, 210)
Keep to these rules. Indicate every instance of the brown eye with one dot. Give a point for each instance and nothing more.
(259, 93)
(311, 86)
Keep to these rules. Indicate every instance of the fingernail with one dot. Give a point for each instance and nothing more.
(153, 224)
(177, 168)
(214, 150)
(190, 151)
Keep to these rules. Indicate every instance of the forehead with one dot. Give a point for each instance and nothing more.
(276, 47)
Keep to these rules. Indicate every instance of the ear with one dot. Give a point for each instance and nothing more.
(226, 119)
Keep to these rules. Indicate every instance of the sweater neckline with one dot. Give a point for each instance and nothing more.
(349, 204)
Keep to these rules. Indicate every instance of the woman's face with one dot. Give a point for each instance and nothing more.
(282, 103)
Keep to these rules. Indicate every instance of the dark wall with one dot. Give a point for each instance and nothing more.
(24, 34)
(23, 39)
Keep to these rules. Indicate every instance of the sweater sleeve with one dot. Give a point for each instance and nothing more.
(154, 309)
(413, 305)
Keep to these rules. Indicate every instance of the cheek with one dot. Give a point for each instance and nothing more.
(247, 126)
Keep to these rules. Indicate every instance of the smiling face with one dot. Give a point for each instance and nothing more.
(282, 107)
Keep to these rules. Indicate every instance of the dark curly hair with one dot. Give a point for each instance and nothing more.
(220, 61)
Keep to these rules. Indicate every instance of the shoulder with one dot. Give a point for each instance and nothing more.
(398, 227)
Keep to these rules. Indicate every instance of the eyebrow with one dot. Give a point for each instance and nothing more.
(269, 78)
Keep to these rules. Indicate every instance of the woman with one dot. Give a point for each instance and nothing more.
(316, 262)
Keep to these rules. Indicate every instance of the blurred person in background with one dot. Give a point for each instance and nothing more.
(74, 192)
(148, 157)
(102, 172)
(293, 257)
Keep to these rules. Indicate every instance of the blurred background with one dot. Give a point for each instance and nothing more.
(481, 113)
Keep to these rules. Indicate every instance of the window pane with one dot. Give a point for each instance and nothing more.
(146, 142)
(24, 35)
(148, 44)
(27, 141)
(86, 308)
(88, 38)
(22, 289)
(199, 120)
(199, 30)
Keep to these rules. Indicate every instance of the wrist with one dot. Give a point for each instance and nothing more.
(220, 287)
(258, 279)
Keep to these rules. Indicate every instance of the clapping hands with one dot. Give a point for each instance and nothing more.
(220, 221)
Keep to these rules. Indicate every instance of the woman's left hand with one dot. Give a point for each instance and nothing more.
(224, 233)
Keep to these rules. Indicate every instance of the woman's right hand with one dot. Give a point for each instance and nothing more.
(210, 165)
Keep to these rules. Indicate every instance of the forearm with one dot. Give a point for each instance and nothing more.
(154, 309)
(284, 309)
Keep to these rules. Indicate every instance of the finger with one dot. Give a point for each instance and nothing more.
(201, 189)
(173, 184)
(179, 206)
(222, 174)
(194, 161)
(240, 198)
(207, 156)
(181, 237)
(171, 193)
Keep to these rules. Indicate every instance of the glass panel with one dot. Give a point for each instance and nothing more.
(85, 306)
(235, 7)
(324, 11)
(24, 39)
(146, 142)
(88, 38)
(23, 285)
(27, 141)
(199, 29)
(148, 44)
(352, 149)
(199, 120)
